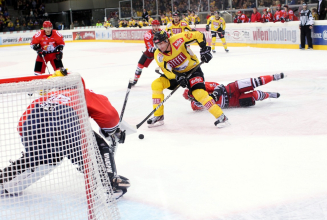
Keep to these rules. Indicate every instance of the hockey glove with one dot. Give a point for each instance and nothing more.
(182, 80)
(223, 32)
(282, 20)
(36, 47)
(207, 27)
(217, 92)
(205, 53)
(41, 53)
(152, 49)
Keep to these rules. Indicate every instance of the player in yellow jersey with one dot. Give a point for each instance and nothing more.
(217, 25)
(185, 18)
(164, 19)
(145, 23)
(107, 24)
(140, 23)
(177, 26)
(194, 18)
(150, 20)
(132, 23)
(176, 61)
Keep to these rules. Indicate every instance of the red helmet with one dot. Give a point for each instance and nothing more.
(155, 22)
(239, 12)
(47, 24)
(279, 5)
(265, 9)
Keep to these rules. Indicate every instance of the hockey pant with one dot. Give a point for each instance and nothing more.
(195, 85)
(48, 136)
(213, 39)
(50, 57)
(240, 92)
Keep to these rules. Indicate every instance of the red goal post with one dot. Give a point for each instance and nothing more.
(61, 174)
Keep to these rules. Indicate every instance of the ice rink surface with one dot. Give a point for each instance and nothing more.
(270, 164)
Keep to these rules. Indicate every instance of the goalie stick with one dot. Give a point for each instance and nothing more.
(161, 103)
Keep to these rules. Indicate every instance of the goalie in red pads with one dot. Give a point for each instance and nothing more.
(49, 45)
(240, 93)
(51, 130)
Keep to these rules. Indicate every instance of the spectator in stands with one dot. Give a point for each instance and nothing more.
(315, 14)
(145, 15)
(17, 23)
(98, 24)
(6, 14)
(34, 4)
(321, 9)
(11, 26)
(19, 5)
(60, 26)
(176, 10)
(256, 16)
(30, 25)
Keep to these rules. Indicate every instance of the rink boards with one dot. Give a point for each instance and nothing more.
(262, 35)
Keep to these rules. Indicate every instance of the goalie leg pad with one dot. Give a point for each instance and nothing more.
(15, 184)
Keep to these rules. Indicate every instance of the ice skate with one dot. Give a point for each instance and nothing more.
(155, 121)
(226, 50)
(278, 76)
(222, 121)
(119, 186)
(213, 51)
(274, 95)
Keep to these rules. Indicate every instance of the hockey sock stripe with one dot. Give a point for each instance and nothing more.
(110, 130)
(259, 95)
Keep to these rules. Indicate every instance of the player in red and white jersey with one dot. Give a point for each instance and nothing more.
(289, 14)
(49, 45)
(52, 127)
(279, 14)
(266, 16)
(147, 56)
(240, 93)
(241, 18)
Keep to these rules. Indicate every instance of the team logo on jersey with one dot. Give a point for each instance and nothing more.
(160, 57)
(195, 81)
(147, 36)
(178, 60)
(178, 43)
(183, 24)
(177, 31)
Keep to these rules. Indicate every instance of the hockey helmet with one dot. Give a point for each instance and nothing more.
(155, 22)
(239, 12)
(285, 6)
(160, 36)
(264, 10)
(47, 24)
(304, 3)
(176, 14)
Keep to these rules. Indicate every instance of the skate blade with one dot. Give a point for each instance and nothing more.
(222, 125)
(157, 124)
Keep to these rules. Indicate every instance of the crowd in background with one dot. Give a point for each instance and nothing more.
(29, 15)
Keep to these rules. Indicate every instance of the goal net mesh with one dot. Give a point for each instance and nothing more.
(51, 167)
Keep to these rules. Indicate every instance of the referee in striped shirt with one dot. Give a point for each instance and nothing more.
(306, 24)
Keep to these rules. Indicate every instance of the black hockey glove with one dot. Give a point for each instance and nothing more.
(59, 56)
(207, 27)
(41, 53)
(182, 80)
(205, 53)
(217, 92)
(36, 47)
(152, 49)
(223, 32)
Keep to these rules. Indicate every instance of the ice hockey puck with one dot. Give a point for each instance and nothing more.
(141, 136)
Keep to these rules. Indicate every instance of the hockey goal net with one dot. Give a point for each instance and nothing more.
(50, 164)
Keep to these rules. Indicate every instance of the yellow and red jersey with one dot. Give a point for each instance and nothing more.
(216, 24)
(180, 59)
(173, 28)
(48, 43)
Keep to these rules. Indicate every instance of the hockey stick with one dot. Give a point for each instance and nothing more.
(130, 83)
(163, 101)
(45, 64)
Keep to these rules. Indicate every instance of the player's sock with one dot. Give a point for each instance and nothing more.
(261, 80)
(259, 95)
(278, 76)
(138, 73)
(224, 43)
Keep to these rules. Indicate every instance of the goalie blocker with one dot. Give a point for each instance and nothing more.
(50, 130)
